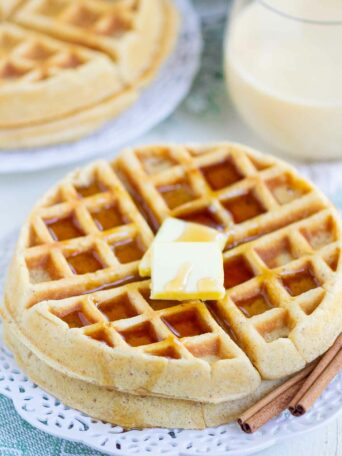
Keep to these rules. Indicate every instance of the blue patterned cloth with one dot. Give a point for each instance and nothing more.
(18, 438)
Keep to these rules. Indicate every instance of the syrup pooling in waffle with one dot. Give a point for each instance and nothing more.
(248, 197)
(79, 257)
(87, 227)
(125, 319)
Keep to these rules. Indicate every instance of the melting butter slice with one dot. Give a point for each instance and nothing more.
(187, 270)
(175, 230)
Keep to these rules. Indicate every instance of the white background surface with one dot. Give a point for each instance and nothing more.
(19, 192)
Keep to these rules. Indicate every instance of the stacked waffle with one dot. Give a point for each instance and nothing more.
(81, 321)
(68, 66)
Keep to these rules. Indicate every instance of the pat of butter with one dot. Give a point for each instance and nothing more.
(187, 270)
(175, 230)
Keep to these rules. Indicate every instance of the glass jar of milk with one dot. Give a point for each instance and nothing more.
(283, 61)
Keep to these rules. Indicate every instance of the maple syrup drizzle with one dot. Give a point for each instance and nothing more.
(138, 199)
(196, 233)
(221, 320)
(255, 305)
(116, 283)
(128, 251)
(206, 283)
(180, 282)
(236, 271)
(157, 304)
(75, 318)
(271, 227)
(85, 262)
(203, 216)
(84, 191)
(101, 335)
(62, 229)
(185, 324)
(118, 308)
(108, 217)
(176, 194)
(300, 281)
(243, 207)
(221, 174)
(142, 334)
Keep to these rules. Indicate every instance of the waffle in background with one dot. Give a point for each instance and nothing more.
(74, 294)
(103, 53)
(7, 7)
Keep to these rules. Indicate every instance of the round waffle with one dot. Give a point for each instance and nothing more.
(128, 410)
(77, 63)
(74, 293)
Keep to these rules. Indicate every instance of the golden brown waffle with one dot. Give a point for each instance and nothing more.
(68, 128)
(58, 89)
(129, 31)
(7, 7)
(73, 287)
(127, 410)
(283, 247)
(39, 78)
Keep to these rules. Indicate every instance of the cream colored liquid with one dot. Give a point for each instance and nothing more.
(285, 76)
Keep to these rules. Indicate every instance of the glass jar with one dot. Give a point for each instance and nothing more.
(283, 63)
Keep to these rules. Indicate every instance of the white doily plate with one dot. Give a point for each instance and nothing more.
(156, 103)
(48, 414)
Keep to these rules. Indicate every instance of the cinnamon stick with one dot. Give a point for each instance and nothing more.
(327, 368)
(298, 393)
(274, 403)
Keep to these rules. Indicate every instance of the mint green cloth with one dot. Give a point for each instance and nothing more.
(19, 438)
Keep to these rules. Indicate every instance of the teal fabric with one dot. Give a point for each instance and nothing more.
(18, 438)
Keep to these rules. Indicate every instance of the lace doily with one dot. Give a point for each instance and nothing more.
(156, 103)
(48, 414)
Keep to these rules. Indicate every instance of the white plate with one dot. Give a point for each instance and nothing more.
(46, 413)
(156, 103)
